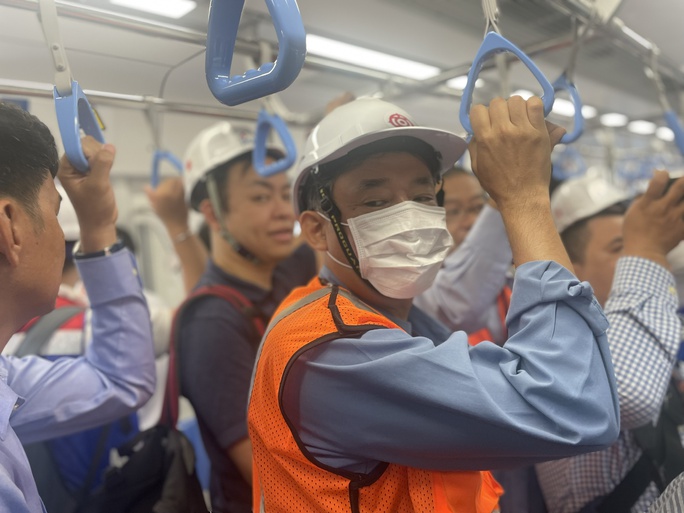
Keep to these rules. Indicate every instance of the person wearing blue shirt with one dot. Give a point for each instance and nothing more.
(40, 399)
(399, 393)
(623, 254)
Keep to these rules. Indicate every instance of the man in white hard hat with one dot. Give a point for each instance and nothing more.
(356, 393)
(40, 399)
(254, 253)
(623, 256)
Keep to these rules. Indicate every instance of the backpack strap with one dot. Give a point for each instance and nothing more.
(258, 321)
(38, 334)
(662, 457)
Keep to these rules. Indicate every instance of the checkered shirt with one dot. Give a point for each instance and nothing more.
(643, 337)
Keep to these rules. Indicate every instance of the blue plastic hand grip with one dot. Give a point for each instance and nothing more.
(157, 159)
(265, 123)
(271, 77)
(73, 114)
(676, 126)
(563, 84)
(495, 43)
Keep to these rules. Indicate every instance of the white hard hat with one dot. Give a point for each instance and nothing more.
(580, 198)
(67, 217)
(212, 147)
(362, 122)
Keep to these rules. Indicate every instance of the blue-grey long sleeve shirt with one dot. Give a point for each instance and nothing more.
(422, 397)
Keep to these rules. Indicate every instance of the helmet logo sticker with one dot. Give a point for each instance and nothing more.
(400, 120)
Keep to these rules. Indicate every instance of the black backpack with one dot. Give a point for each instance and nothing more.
(159, 475)
(157, 467)
(662, 458)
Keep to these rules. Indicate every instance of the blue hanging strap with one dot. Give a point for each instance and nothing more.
(672, 120)
(563, 83)
(160, 156)
(270, 77)
(671, 117)
(74, 112)
(566, 83)
(493, 44)
(265, 123)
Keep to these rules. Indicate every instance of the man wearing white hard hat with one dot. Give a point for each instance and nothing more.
(622, 253)
(253, 253)
(361, 402)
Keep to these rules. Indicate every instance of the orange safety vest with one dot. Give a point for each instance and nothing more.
(286, 479)
(502, 303)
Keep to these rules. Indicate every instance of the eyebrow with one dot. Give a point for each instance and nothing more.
(616, 240)
(268, 185)
(374, 183)
(371, 183)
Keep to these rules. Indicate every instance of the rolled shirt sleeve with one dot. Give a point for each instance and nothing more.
(114, 377)
(388, 396)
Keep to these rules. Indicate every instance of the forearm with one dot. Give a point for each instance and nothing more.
(532, 233)
(116, 375)
(191, 252)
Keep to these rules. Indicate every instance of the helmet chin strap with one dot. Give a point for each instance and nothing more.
(334, 216)
(215, 199)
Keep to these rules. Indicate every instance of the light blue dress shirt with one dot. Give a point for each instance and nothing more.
(395, 396)
(465, 292)
(40, 399)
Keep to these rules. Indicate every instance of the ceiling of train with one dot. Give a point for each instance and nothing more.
(444, 33)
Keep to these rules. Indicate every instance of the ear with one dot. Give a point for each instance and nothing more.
(314, 230)
(10, 241)
(209, 213)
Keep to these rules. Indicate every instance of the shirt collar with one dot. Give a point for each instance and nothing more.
(326, 274)
(9, 402)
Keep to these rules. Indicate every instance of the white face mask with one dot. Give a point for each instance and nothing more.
(401, 248)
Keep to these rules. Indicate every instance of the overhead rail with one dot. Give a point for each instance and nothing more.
(128, 101)
(254, 50)
(618, 33)
(616, 30)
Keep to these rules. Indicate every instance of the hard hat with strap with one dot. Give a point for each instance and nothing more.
(214, 148)
(355, 125)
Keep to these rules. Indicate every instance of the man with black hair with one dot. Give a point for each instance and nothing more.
(362, 402)
(254, 253)
(622, 252)
(41, 399)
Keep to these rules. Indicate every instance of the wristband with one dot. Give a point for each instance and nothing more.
(117, 246)
(182, 237)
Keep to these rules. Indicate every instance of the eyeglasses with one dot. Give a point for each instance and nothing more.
(459, 212)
